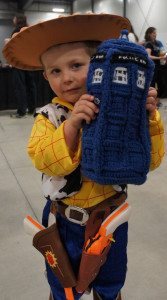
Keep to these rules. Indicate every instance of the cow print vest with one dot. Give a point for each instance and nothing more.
(57, 188)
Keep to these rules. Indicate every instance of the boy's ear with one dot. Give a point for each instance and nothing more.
(44, 75)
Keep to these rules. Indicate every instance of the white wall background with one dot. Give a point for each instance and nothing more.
(81, 6)
(141, 13)
(146, 13)
(114, 7)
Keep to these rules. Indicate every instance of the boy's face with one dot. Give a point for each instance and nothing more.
(66, 68)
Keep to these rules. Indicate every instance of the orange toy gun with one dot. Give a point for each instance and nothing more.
(53, 251)
(102, 239)
(96, 248)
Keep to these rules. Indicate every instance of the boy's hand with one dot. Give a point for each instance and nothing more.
(151, 102)
(84, 109)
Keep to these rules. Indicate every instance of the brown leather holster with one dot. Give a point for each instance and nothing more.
(89, 268)
(48, 242)
(90, 264)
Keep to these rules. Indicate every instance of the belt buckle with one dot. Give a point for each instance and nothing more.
(81, 213)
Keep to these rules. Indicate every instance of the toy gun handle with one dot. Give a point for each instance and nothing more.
(115, 219)
(31, 226)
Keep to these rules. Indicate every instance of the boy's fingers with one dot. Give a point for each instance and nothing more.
(84, 104)
(89, 99)
(89, 110)
(152, 91)
(150, 100)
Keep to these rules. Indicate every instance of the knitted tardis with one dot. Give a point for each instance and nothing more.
(116, 146)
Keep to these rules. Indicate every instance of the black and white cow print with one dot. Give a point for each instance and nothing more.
(56, 188)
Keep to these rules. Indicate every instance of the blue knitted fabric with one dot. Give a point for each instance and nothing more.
(116, 146)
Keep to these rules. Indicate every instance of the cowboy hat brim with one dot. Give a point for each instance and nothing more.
(24, 50)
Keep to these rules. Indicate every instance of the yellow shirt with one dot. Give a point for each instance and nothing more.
(50, 155)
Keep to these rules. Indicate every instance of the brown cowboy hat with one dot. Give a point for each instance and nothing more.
(24, 49)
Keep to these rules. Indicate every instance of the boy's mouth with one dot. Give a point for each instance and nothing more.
(71, 90)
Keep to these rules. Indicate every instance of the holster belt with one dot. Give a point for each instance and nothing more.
(80, 215)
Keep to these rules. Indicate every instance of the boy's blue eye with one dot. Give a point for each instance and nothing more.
(56, 71)
(76, 65)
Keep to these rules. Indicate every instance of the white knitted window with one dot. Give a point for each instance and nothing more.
(120, 75)
(141, 79)
(97, 76)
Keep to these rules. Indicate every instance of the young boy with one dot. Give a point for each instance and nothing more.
(55, 143)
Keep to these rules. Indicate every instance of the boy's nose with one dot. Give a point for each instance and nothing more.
(67, 77)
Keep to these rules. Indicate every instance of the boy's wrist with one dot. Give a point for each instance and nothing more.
(72, 128)
(71, 135)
